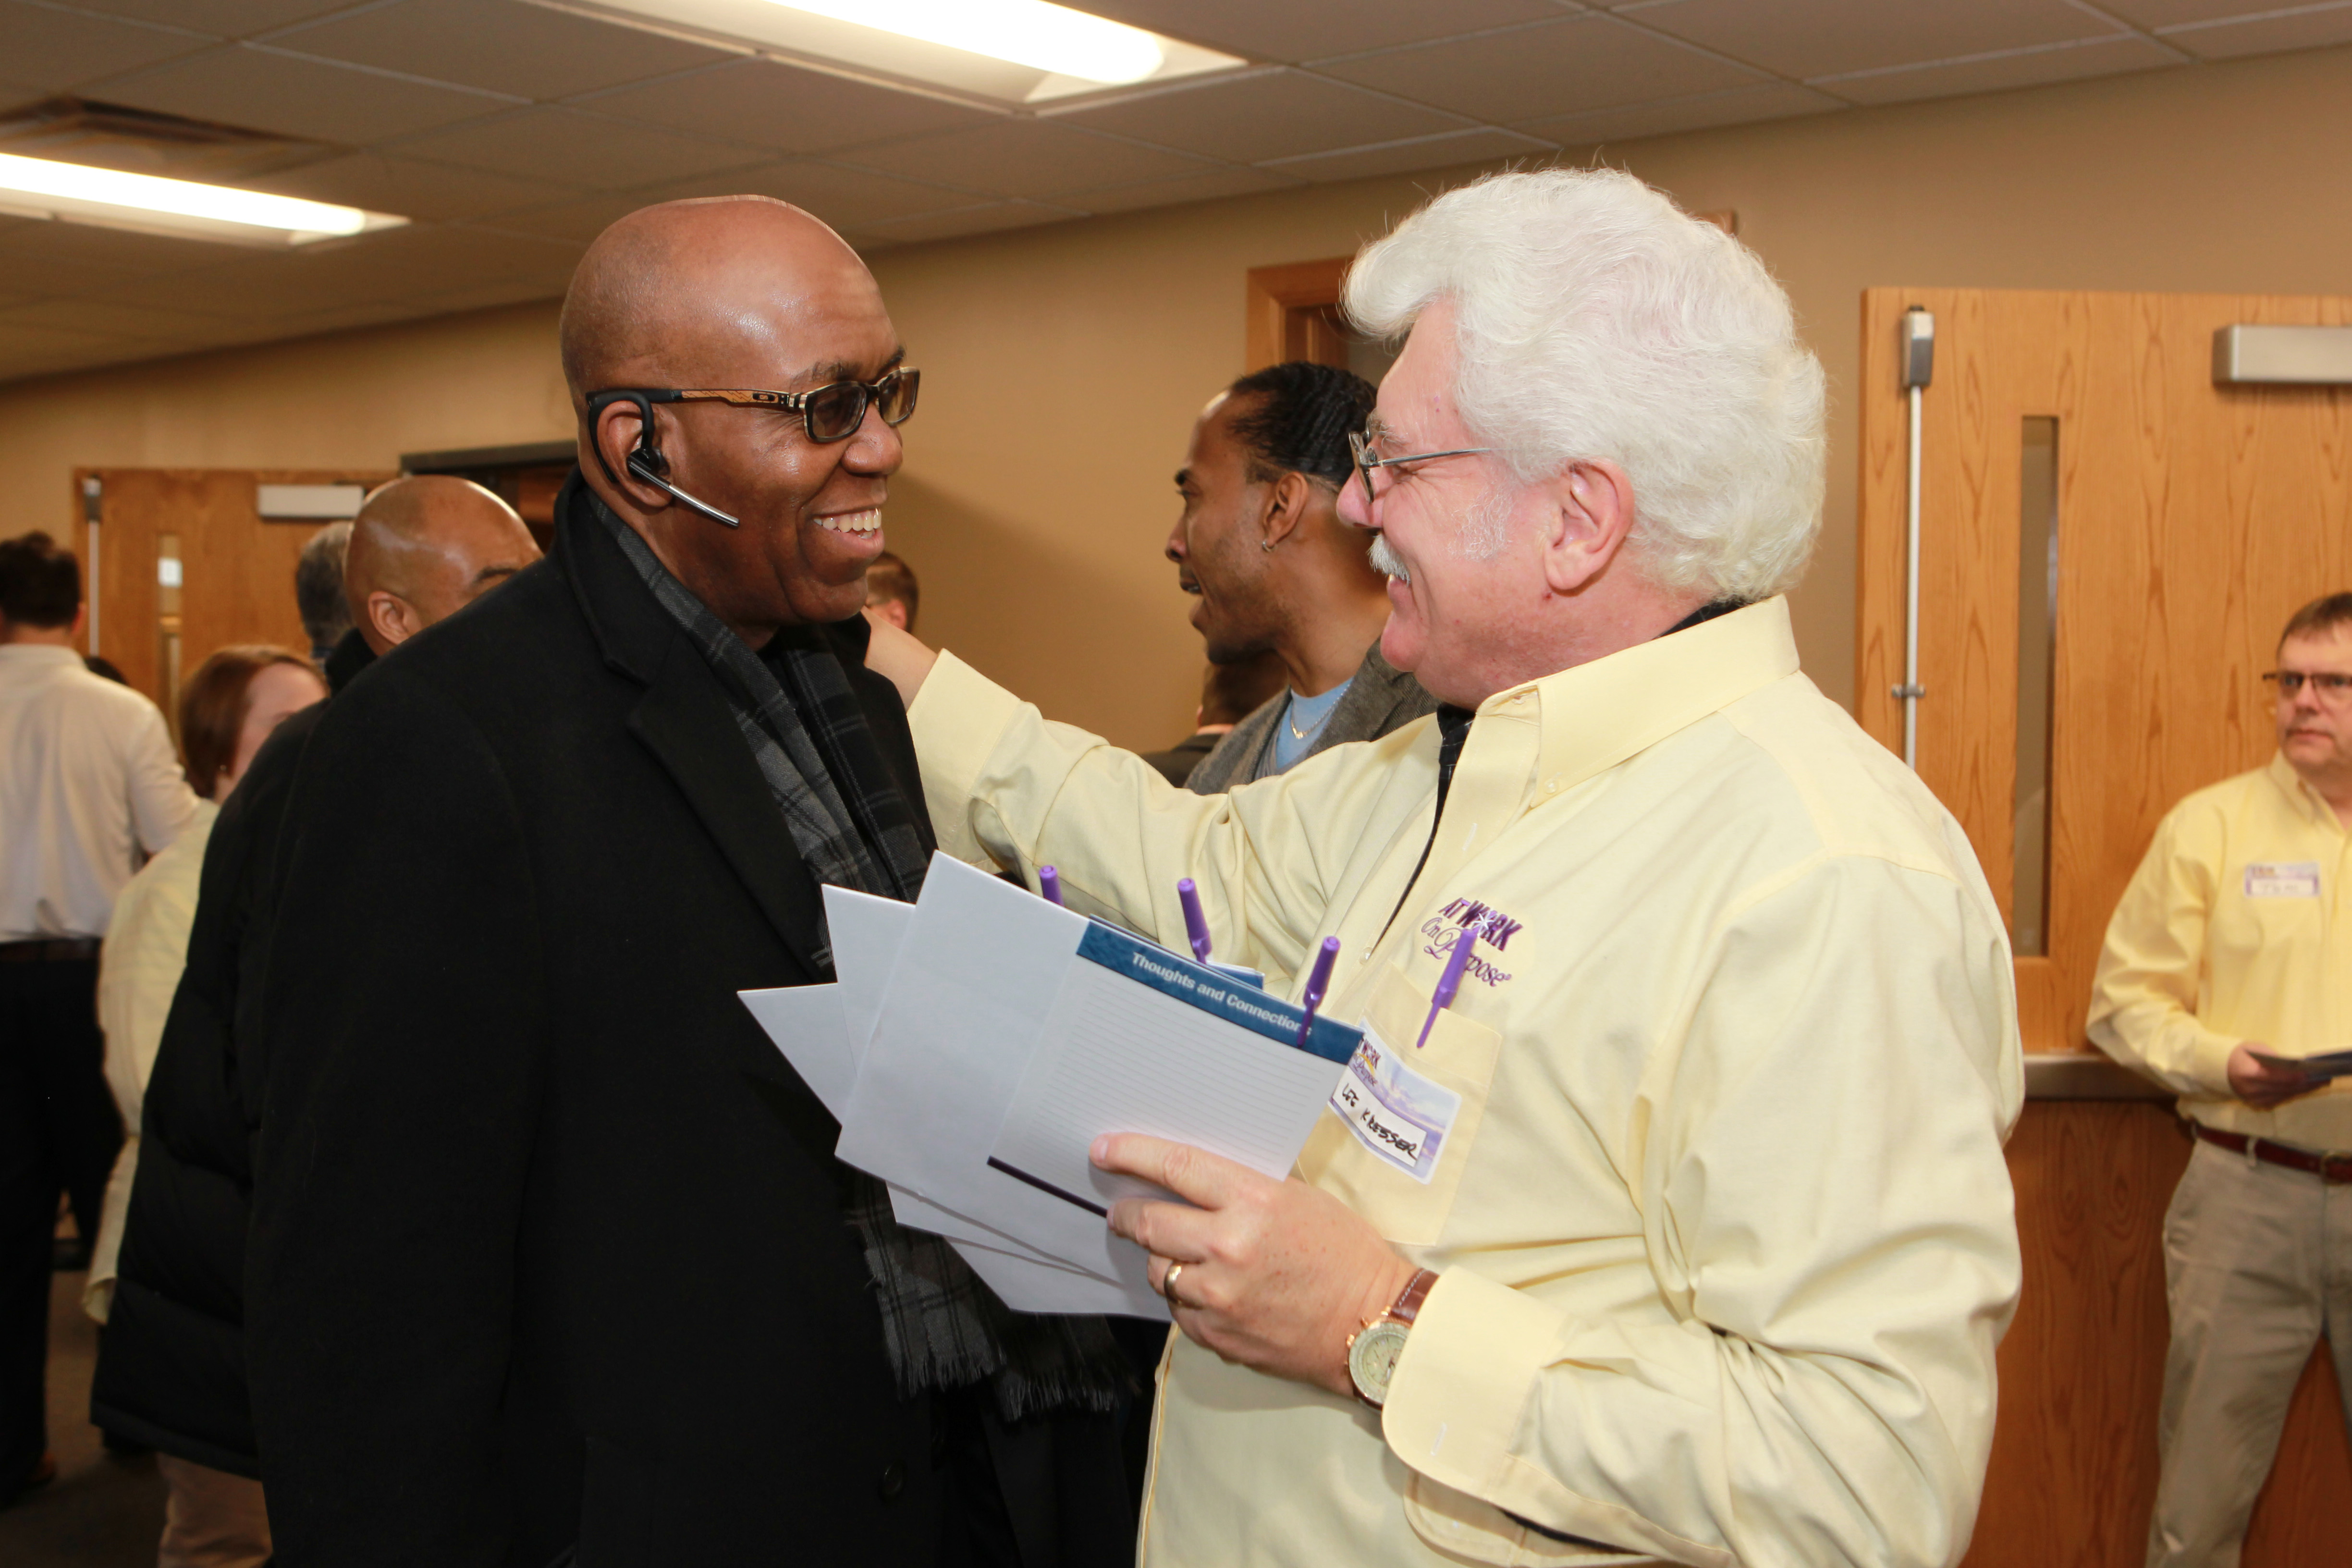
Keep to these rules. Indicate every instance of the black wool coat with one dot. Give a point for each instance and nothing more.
(548, 1247)
(171, 1365)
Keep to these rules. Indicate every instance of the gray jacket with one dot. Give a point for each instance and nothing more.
(1380, 698)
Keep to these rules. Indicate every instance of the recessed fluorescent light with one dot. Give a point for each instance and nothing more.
(1002, 52)
(78, 193)
(1026, 32)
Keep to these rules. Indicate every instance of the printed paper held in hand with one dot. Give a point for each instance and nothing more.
(1014, 1031)
(2325, 1067)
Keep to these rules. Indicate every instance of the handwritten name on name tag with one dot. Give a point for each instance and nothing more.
(1394, 1112)
(2283, 879)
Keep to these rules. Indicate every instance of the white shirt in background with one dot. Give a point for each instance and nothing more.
(89, 786)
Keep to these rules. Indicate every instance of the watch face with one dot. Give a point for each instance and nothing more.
(1372, 1360)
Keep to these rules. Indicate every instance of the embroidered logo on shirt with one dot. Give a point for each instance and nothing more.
(2283, 879)
(1494, 927)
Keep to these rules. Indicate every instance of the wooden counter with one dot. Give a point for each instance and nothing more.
(2094, 1159)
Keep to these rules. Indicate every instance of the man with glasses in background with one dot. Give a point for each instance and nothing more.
(550, 1259)
(2229, 958)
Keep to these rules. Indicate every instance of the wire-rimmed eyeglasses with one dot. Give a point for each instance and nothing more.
(1359, 443)
(2328, 686)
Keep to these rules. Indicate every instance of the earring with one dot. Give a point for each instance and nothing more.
(1266, 544)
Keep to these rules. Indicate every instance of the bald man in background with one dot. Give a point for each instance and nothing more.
(171, 1369)
(552, 1259)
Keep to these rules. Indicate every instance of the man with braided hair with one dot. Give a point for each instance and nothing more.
(1262, 546)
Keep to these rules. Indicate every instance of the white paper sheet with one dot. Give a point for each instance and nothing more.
(1137, 1042)
(979, 969)
(806, 1023)
(819, 1031)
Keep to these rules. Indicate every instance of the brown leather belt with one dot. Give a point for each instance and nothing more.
(59, 949)
(2326, 1167)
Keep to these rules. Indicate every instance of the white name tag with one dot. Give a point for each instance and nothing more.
(1393, 1110)
(2284, 879)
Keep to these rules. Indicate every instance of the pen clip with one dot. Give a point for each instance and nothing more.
(1449, 984)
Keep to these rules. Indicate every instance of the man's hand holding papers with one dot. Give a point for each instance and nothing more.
(1276, 1275)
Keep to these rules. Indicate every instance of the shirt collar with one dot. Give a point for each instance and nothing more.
(37, 652)
(1594, 716)
(2298, 790)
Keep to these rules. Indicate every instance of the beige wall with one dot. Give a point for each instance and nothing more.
(1062, 366)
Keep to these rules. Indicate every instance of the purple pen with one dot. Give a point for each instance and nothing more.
(1196, 924)
(1318, 980)
(1447, 983)
(1049, 884)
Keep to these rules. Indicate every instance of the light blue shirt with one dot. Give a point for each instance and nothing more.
(1296, 730)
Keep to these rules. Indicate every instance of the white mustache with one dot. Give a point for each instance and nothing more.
(1385, 560)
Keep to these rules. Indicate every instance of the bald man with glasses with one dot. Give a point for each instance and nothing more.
(2229, 958)
(551, 1261)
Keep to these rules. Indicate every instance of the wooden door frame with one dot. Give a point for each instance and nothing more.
(130, 590)
(1269, 294)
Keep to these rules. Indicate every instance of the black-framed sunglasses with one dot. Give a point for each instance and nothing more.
(829, 413)
(1359, 443)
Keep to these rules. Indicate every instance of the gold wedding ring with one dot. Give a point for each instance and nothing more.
(1168, 1284)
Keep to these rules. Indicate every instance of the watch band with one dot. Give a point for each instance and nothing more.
(1416, 1291)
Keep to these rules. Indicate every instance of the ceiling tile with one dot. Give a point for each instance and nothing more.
(1807, 38)
(846, 198)
(1023, 158)
(2156, 13)
(1270, 114)
(50, 50)
(2266, 35)
(381, 182)
(77, 258)
(394, 265)
(482, 296)
(266, 91)
(1555, 68)
(499, 45)
(583, 150)
(433, 254)
(1402, 157)
(783, 107)
(1772, 100)
(105, 319)
(1220, 182)
(984, 220)
(29, 339)
(1294, 32)
(2104, 58)
(223, 18)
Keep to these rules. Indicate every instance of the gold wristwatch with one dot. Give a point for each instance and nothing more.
(1373, 1350)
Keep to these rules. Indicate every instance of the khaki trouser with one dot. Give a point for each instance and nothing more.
(211, 1519)
(2258, 1265)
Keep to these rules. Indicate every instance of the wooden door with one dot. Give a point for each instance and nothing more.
(236, 570)
(2190, 520)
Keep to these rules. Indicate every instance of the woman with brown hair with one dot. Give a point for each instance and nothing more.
(228, 708)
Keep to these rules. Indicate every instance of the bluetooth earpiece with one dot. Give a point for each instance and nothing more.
(645, 462)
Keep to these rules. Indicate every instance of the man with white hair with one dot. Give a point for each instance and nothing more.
(1684, 1232)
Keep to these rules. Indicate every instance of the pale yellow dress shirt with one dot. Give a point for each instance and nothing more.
(2236, 928)
(1723, 1232)
(138, 974)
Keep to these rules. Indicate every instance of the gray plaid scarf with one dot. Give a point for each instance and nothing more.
(943, 1327)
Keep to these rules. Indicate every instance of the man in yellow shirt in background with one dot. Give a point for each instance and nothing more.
(2229, 955)
(1682, 1232)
